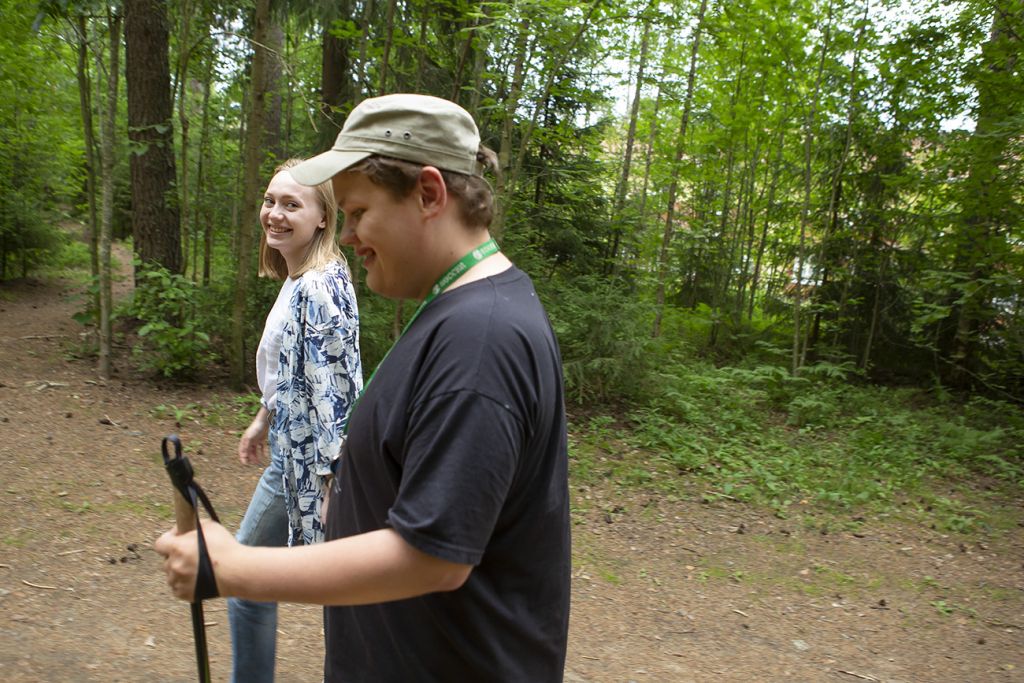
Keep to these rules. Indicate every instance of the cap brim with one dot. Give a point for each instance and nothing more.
(323, 167)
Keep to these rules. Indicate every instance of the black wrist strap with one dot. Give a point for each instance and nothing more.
(180, 471)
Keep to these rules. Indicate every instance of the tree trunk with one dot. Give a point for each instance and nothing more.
(503, 183)
(623, 184)
(85, 102)
(389, 35)
(649, 156)
(251, 186)
(805, 211)
(273, 141)
(155, 228)
(363, 87)
(876, 308)
(204, 162)
(987, 200)
(107, 135)
(335, 75)
(184, 56)
(722, 280)
(464, 55)
(554, 71)
(723, 276)
(745, 221)
(836, 189)
(684, 121)
(480, 51)
(421, 60)
(763, 242)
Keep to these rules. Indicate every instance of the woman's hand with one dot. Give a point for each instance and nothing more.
(325, 501)
(181, 557)
(252, 447)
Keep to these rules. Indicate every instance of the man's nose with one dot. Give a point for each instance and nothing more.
(348, 235)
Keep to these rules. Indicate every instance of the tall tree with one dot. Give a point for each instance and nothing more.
(85, 102)
(670, 209)
(799, 350)
(622, 185)
(335, 74)
(155, 221)
(108, 119)
(260, 90)
(988, 199)
(203, 214)
(273, 77)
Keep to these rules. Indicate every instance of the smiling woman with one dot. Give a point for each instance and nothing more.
(309, 373)
(291, 217)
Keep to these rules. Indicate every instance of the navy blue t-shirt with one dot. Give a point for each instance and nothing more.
(459, 445)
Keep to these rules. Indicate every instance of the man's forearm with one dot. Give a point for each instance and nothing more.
(378, 566)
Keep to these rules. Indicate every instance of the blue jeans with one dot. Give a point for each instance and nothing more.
(254, 624)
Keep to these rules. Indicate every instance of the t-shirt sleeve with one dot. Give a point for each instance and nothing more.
(460, 462)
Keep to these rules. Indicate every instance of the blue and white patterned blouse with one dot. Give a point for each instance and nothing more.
(318, 381)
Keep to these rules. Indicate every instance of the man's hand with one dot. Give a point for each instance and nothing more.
(252, 447)
(181, 557)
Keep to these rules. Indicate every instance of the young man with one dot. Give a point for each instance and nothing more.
(448, 553)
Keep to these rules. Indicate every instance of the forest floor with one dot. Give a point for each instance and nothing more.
(663, 589)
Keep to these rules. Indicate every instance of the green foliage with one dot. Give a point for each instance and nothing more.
(172, 341)
(235, 413)
(377, 326)
(604, 339)
(71, 258)
(760, 435)
(41, 142)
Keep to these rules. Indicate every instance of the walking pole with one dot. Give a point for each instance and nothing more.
(187, 495)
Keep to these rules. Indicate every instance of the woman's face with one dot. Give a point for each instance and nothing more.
(290, 216)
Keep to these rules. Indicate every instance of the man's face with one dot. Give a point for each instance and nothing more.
(385, 234)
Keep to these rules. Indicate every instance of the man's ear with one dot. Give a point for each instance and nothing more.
(432, 191)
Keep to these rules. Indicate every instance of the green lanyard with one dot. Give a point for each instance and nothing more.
(475, 256)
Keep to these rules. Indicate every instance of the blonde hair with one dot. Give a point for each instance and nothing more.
(323, 249)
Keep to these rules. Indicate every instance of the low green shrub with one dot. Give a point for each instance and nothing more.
(172, 341)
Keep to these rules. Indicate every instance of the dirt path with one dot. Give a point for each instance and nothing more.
(663, 590)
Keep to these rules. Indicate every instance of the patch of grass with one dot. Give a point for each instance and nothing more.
(712, 572)
(930, 583)
(80, 508)
(822, 580)
(169, 411)
(16, 540)
(131, 507)
(999, 593)
(833, 577)
(761, 436)
(609, 576)
(70, 259)
(947, 609)
(235, 413)
(782, 545)
(578, 514)
(164, 510)
(587, 557)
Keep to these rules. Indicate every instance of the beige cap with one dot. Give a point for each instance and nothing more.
(420, 128)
